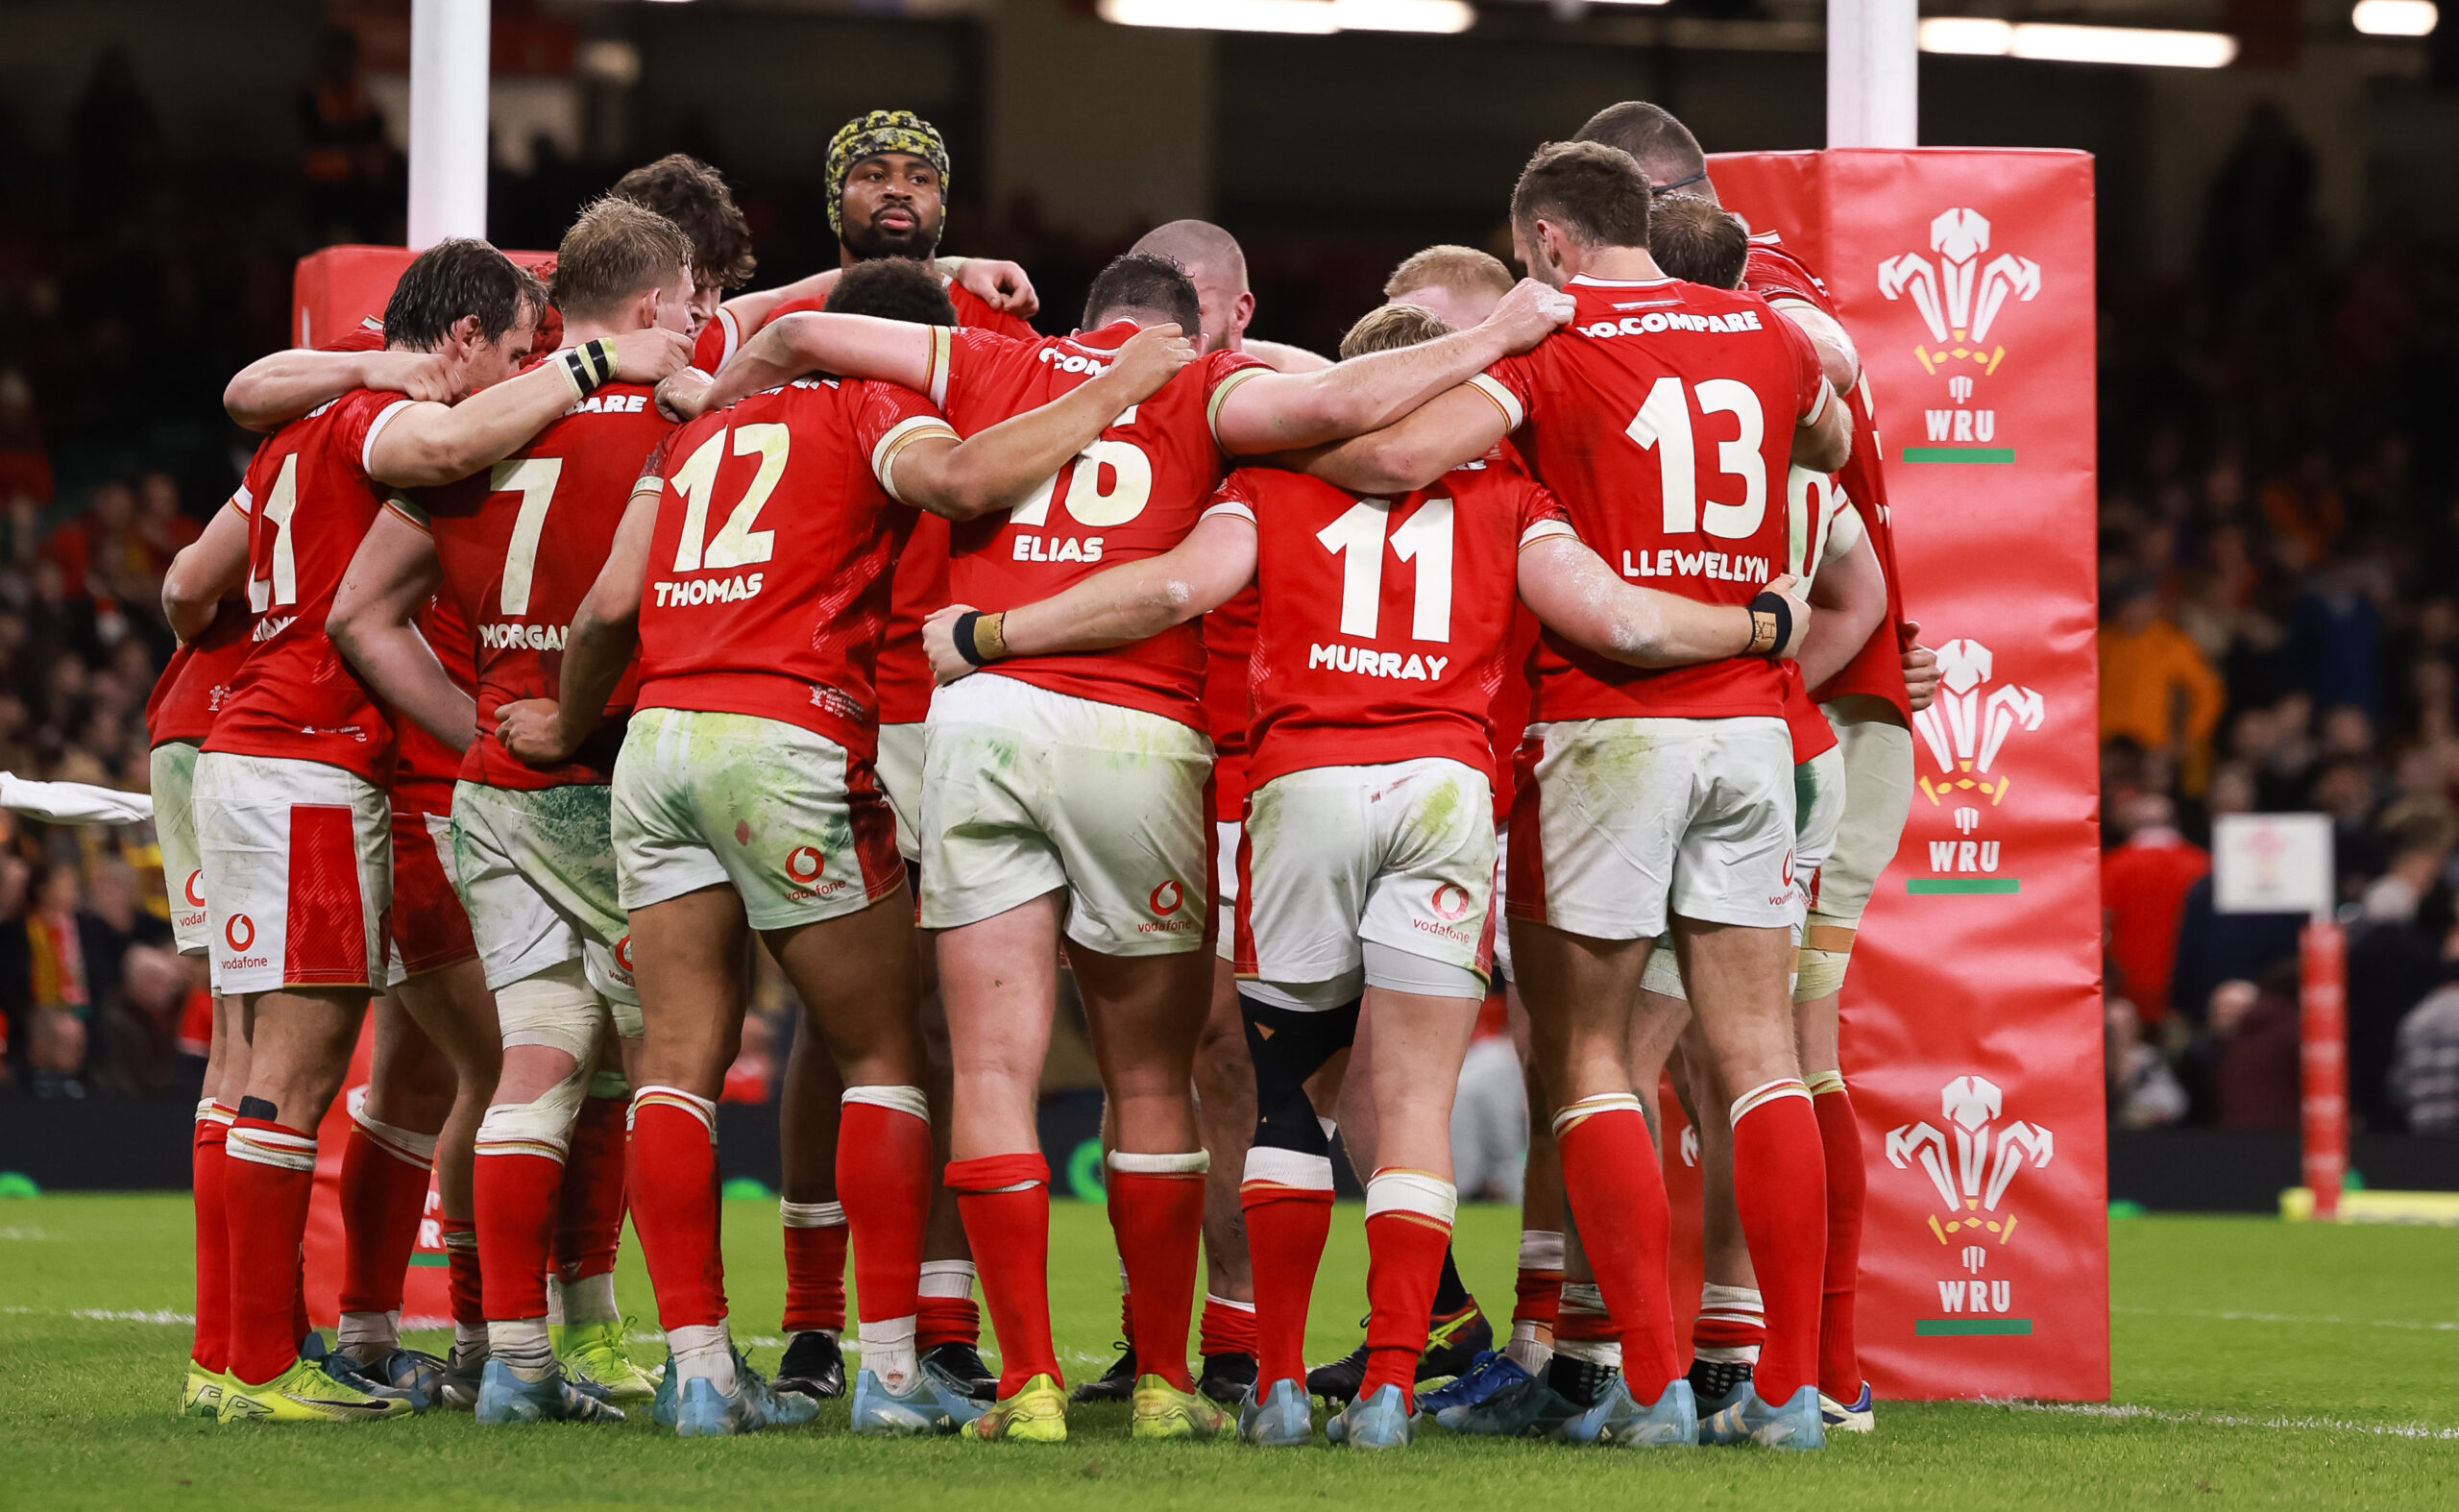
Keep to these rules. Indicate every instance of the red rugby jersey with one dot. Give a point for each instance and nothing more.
(296, 697)
(1383, 624)
(198, 676)
(521, 544)
(1228, 645)
(768, 586)
(1663, 418)
(1775, 273)
(1133, 493)
(424, 767)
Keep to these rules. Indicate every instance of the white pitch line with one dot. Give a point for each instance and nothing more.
(2227, 1420)
(2419, 1324)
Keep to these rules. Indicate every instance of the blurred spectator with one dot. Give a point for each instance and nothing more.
(114, 139)
(2423, 1079)
(25, 467)
(2143, 889)
(2143, 1091)
(2156, 688)
(2215, 948)
(2337, 632)
(58, 985)
(2256, 1076)
(347, 162)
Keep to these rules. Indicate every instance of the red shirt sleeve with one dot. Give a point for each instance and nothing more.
(1809, 379)
(886, 419)
(1510, 383)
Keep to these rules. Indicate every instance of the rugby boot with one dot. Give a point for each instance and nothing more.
(506, 1397)
(201, 1396)
(1037, 1414)
(1380, 1421)
(1619, 1420)
(813, 1366)
(1796, 1425)
(1114, 1384)
(1529, 1408)
(880, 1413)
(1228, 1378)
(1162, 1411)
(1282, 1418)
(308, 1392)
(1857, 1416)
(596, 1361)
(1488, 1372)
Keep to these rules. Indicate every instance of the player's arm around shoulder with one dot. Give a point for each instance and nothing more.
(394, 571)
(1450, 432)
(1574, 593)
(996, 468)
(429, 444)
(1286, 411)
(281, 386)
(1838, 358)
(1116, 606)
(814, 341)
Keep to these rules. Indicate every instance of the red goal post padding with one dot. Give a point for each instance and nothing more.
(1972, 1012)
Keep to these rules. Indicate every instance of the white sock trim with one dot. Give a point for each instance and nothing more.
(1824, 1082)
(406, 1145)
(275, 1147)
(895, 1099)
(1767, 1092)
(1193, 1162)
(1590, 1106)
(1582, 1297)
(1417, 1193)
(703, 1350)
(1733, 1303)
(947, 1279)
(703, 1109)
(1596, 1351)
(1541, 1250)
(1278, 1167)
(1216, 1299)
(811, 1216)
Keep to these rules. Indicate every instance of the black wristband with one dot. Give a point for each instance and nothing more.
(962, 635)
(1778, 607)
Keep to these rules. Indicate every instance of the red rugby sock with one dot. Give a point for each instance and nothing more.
(1005, 1202)
(674, 1205)
(211, 1349)
(1780, 1187)
(1617, 1193)
(1840, 1137)
(1156, 1216)
(270, 1173)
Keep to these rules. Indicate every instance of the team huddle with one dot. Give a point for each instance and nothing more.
(564, 636)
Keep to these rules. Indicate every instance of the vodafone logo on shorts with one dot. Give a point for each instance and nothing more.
(624, 953)
(196, 895)
(1450, 900)
(1167, 899)
(804, 864)
(240, 932)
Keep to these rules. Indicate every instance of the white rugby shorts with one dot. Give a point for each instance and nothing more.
(789, 819)
(1878, 790)
(1399, 854)
(1819, 799)
(298, 872)
(536, 870)
(174, 772)
(900, 771)
(1027, 791)
(1503, 897)
(1621, 822)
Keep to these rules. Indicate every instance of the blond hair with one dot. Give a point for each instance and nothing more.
(1450, 266)
(1388, 327)
(616, 249)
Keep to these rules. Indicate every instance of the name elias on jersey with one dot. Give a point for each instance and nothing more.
(708, 591)
(610, 405)
(1040, 548)
(1716, 565)
(1654, 321)
(1367, 662)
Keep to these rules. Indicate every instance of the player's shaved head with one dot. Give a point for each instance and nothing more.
(1388, 327)
(1217, 267)
(1143, 287)
(1590, 193)
(1199, 247)
(614, 251)
(893, 288)
(1698, 242)
(691, 194)
(1664, 147)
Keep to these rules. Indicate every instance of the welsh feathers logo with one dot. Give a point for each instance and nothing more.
(1971, 1165)
(1966, 728)
(1958, 295)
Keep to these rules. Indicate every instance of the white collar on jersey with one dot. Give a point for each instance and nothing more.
(1620, 284)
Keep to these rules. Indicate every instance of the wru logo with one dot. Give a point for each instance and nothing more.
(1957, 297)
(1969, 1182)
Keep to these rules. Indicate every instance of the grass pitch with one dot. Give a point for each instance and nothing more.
(2256, 1362)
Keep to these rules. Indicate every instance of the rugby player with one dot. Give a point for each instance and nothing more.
(1653, 796)
(745, 800)
(512, 551)
(1867, 701)
(291, 820)
(1078, 781)
(1368, 855)
(1224, 1083)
